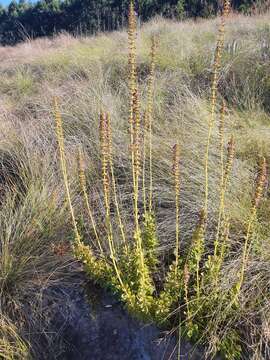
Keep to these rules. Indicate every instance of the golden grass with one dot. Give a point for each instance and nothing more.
(11, 345)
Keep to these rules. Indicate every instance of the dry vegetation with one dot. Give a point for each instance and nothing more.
(90, 74)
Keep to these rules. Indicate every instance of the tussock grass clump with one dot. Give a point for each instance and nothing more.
(32, 257)
(12, 347)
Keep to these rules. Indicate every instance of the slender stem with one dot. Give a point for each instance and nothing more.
(116, 202)
(260, 186)
(221, 151)
(150, 117)
(216, 70)
(224, 179)
(105, 151)
(176, 173)
(86, 200)
(132, 92)
(61, 147)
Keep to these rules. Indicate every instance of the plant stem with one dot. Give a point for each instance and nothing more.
(61, 147)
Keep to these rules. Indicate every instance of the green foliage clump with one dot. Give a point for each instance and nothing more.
(171, 294)
(150, 241)
(193, 281)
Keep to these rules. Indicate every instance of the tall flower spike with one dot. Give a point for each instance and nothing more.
(145, 137)
(258, 194)
(215, 74)
(176, 175)
(150, 114)
(221, 123)
(135, 133)
(108, 129)
(134, 112)
(229, 161)
(137, 136)
(223, 187)
(147, 129)
(260, 184)
(186, 278)
(104, 148)
(110, 160)
(221, 143)
(105, 163)
(132, 71)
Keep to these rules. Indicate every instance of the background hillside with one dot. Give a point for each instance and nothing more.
(90, 73)
(22, 20)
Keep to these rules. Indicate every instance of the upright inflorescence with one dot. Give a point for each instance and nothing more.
(229, 160)
(258, 194)
(135, 146)
(214, 88)
(217, 58)
(221, 150)
(104, 150)
(133, 86)
(134, 111)
(176, 175)
(227, 167)
(186, 278)
(108, 137)
(137, 141)
(148, 120)
(260, 184)
(221, 139)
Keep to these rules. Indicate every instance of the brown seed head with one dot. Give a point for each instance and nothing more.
(221, 119)
(202, 218)
(81, 164)
(103, 132)
(230, 157)
(260, 183)
(176, 167)
(226, 8)
(109, 135)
